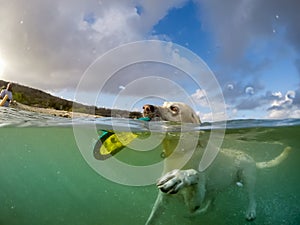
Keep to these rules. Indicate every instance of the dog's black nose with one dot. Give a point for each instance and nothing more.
(148, 108)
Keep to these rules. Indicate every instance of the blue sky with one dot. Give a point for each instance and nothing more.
(252, 47)
(183, 26)
(267, 64)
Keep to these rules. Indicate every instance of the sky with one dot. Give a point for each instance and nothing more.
(252, 48)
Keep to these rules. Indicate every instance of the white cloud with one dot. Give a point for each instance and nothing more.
(214, 110)
(48, 44)
(119, 23)
(293, 112)
(285, 101)
(247, 48)
(284, 106)
(239, 23)
(200, 97)
(277, 94)
(213, 117)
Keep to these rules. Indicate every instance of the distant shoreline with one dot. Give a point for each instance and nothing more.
(53, 112)
(34, 100)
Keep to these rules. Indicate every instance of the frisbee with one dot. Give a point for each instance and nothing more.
(110, 143)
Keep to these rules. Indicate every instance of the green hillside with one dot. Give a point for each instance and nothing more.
(37, 98)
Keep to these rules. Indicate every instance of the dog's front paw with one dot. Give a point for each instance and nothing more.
(251, 215)
(175, 180)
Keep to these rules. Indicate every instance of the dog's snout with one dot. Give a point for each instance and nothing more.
(148, 108)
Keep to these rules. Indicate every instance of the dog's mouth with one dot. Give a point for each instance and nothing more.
(151, 112)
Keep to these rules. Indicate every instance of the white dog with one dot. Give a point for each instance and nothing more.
(199, 188)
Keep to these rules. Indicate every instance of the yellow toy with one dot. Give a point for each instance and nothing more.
(110, 143)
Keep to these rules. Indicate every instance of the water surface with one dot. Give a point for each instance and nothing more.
(44, 178)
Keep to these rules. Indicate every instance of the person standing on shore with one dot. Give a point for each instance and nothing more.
(6, 95)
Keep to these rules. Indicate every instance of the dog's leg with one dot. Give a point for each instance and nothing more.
(249, 178)
(157, 210)
(201, 210)
(171, 183)
(175, 180)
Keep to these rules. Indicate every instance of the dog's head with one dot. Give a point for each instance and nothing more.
(172, 111)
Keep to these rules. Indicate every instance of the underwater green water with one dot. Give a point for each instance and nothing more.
(45, 180)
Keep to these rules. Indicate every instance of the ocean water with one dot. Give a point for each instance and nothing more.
(46, 178)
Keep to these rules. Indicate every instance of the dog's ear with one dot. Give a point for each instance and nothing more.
(195, 118)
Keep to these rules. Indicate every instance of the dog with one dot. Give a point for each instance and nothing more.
(195, 188)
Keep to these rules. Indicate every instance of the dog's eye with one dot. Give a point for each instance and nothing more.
(174, 108)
